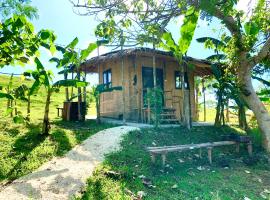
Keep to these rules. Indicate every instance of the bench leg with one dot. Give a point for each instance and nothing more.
(57, 112)
(249, 146)
(209, 149)
(153, 158)
(237, 147)
(163, 157)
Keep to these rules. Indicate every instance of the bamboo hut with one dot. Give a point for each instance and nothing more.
(137, 75)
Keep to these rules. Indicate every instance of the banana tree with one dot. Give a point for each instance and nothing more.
(179, 50)
(12, 95)
(6, 92)
(71, 62)
(43, 77)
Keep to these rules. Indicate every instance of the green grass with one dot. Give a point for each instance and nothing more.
(231, 176)
(37, 101)
(23, 149)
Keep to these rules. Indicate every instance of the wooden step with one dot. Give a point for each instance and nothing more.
(166, 114)
(169, 109)
(169, 120)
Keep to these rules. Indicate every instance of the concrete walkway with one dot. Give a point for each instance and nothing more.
(62, 178)
(142, 125)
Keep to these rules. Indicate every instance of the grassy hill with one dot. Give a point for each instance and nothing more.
(37, 101)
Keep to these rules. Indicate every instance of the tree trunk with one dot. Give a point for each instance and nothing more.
(98, 108)
(72, 76)
(227, 111)
(250, 97)
(242, 118)
(204, 102)
(15, 107)
(66, 89)
(28, 108)
(46, 122)
(222, 114)
(218, 113)
(79, 99)
(11, 105)
(186, 100)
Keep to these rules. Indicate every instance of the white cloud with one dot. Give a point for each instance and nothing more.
(246, 6)
(102, 50)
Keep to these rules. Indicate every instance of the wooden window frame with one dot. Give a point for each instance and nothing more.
(186, 83)
(177, 74)
(106, 75)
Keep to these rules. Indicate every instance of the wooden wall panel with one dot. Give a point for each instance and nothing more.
(112, 103)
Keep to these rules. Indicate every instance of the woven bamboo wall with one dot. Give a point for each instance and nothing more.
(112, 102)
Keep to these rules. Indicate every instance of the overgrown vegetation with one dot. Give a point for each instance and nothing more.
(130, 172)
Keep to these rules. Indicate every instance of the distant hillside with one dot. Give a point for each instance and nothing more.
(38, 101)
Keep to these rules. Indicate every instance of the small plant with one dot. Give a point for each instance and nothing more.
(155, 98)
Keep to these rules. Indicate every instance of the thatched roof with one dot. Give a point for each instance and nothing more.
(202, 67)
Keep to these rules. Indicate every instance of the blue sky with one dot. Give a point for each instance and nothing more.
(58, 16)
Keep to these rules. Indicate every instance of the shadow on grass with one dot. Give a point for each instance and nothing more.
(62, 140)
(82, 130)
(13, 132)
(23, 146)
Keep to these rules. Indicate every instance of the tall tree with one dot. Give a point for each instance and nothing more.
(249, 44)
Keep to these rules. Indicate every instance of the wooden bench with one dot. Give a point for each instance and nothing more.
(154, 151)
(58, 113)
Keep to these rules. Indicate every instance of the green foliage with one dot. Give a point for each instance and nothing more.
(186, 35)
(264, 95)
(19, 42)
(7, 96)
(101, 88)
(85, 53)
(155, 97)
(187, 29)
(18, 7)
(106, 29)
(70, 83)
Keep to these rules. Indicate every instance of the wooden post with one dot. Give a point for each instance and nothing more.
(84, 88)
(209, 149)
(154, 66)
(79, 98)
(148, 107)
(66, 88)
(155, 81)
(123, 79)
(204, 104)
(72, 77)
(197, 111)
(186, 98)
(98, 98)
(227, 111)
